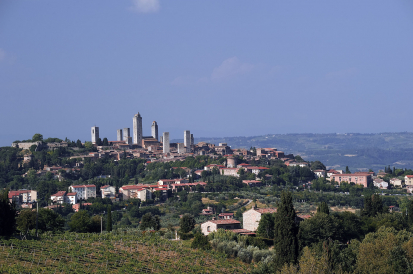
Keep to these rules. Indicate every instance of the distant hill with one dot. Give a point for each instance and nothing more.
(358, 151)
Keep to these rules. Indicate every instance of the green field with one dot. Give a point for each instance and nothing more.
(122, 252)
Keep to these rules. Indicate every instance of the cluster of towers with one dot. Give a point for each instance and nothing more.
(125, 136)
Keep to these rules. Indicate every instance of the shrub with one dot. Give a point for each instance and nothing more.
(185, 236)
(245, 255)
(201, 241)
(259, 255)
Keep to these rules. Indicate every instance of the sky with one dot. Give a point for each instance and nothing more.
(216, 68)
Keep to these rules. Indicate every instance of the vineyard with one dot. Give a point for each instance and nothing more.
(126, 252)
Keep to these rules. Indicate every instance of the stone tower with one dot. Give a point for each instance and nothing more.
(187, 140)
(95, 134)
(192, 140)
(154, 130)
(165, 142)
(126, 133)
(137, 129)
(119, 135)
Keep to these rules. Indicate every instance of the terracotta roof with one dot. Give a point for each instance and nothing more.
(257, 167)
(226, 214)
(60, 193)
(71, 194)
(132, 187)
(409, 176)
(17, 192)
(225, 222)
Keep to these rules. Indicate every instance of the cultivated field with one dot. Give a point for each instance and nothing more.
(126, 252)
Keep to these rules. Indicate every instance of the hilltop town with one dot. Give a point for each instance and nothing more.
(184, 190)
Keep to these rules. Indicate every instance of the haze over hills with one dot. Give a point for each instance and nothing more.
(335, 150)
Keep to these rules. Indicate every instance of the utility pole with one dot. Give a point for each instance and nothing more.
(37, 218)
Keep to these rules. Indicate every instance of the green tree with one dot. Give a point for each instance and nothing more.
(409, 212)
(348, 170)
(50, 220)
(156, 222)
(285, 232)
(319, 228)
(7, 215)
(80, 222)
(373, 205)
(323, 208)
(266, 226)
(317, 165)
(99, 142)
(79, 143)
(200, 241)
(109, 220)
(187, 223)
(105, 141)
(150, 221)
(26, 220)
(37, 137)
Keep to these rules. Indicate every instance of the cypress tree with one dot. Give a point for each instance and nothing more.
(409, 213)
(323, 208)
(285, 232)
(8, 215)
(109, 220)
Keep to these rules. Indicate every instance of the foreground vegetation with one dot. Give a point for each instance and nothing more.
(123, 251)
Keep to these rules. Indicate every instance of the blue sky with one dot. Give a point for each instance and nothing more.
(217, 68)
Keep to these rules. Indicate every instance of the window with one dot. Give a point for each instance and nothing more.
(209, 229)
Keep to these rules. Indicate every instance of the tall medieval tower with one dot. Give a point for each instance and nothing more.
(95, 134)
(154, 130)
(137, 129)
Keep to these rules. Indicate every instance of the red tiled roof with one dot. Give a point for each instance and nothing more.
(104, 186)
(17, 193)
(60, 193)
(132, 187)
(257, 167)
(226, 214)
(225, 222)
(71, 194)
(409, 176)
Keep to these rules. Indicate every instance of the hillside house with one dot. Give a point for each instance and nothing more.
(214, 225)
(84, 191)
(408, 180)
(135, 192)
(360, 178)
(226, 216)
(396, 182)
(23, 196)
(251, 218)
(62, 197)
(108, 192)
(380, 183)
